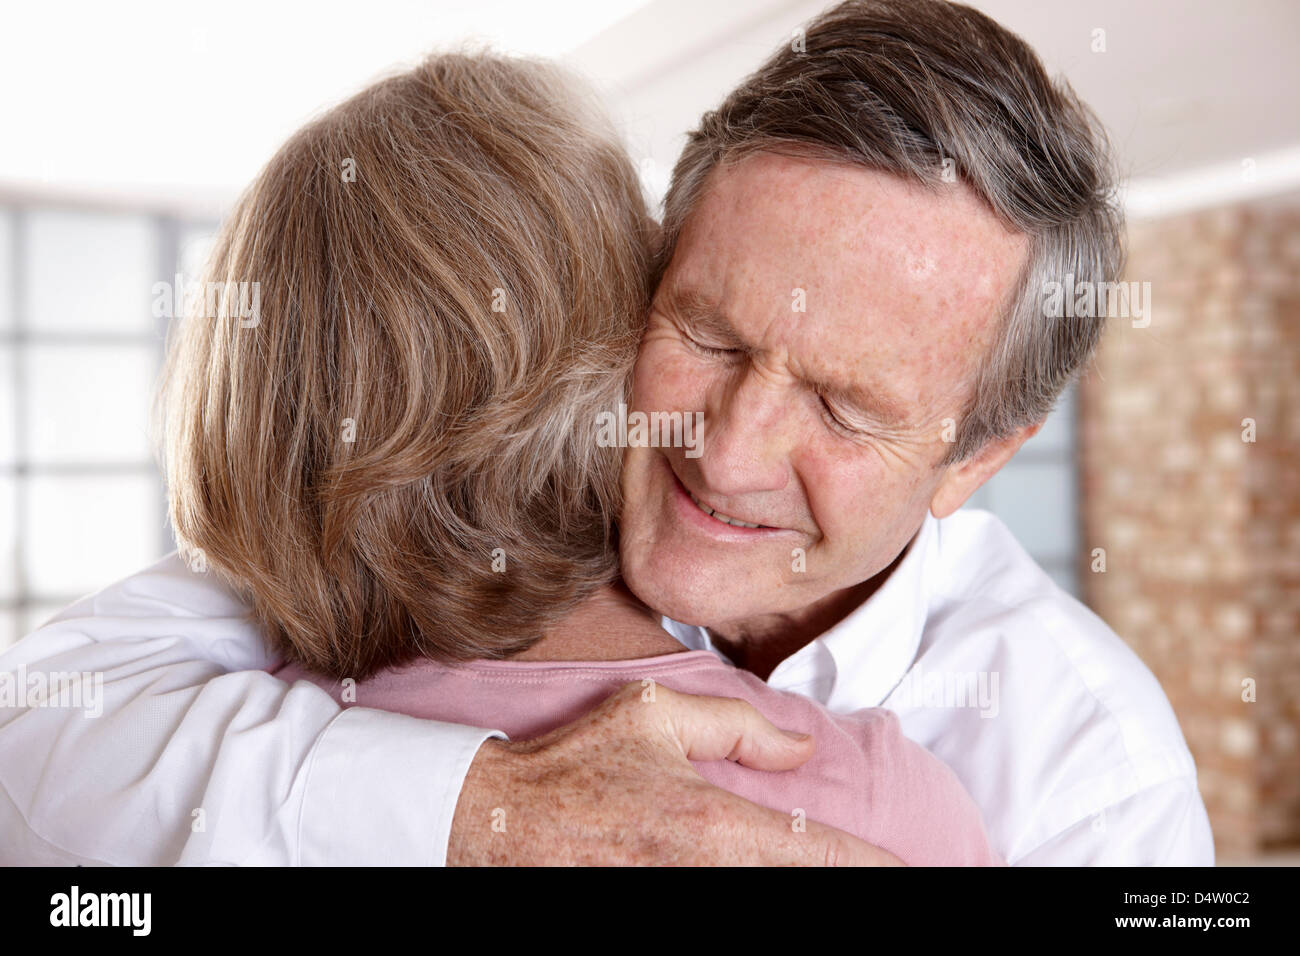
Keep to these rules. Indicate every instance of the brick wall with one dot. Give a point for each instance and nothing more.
(1200, 527)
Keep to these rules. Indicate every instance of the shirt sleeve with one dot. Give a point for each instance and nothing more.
(930, 818)
(1163, 825)
(176, 753)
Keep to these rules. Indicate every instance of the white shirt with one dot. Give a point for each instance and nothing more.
(197, 757)
(1059, 732)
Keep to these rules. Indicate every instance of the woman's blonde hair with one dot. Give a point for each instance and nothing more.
(396, 456)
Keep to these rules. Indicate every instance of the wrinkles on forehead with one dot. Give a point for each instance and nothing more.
(903, 286)
(861, 391)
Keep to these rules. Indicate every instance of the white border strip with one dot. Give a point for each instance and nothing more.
(1255, 177)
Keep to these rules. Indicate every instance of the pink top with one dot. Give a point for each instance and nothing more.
(865, 778)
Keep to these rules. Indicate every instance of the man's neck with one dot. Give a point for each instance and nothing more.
(759, 644)
(611, 625)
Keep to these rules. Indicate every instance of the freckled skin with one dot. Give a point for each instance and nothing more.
(653, 807)
(904, 287)
(901, 289)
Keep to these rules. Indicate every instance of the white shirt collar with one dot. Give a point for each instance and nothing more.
(872, 648)
(875, 645)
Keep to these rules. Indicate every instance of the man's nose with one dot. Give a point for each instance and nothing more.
(747, 427)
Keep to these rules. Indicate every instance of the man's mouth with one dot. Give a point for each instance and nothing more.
(725, 519)
(722, 518)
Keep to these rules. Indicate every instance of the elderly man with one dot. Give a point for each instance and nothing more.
(857, 241)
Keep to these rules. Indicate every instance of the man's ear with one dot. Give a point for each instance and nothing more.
(964, 478)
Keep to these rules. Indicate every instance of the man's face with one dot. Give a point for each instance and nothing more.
(823, 425)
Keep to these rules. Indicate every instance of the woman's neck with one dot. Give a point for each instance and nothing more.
(611, 625)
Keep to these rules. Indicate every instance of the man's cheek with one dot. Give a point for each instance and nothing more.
(653, 373)
(671, 385)
(844, 508)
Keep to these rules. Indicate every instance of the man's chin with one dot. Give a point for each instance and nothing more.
(703, 598)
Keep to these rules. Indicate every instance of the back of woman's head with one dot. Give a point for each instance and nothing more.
(394, 453)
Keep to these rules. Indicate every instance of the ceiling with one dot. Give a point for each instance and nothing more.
(1192, 91)
(156, 98)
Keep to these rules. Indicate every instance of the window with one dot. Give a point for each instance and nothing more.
(80, 349)
(1036, 495)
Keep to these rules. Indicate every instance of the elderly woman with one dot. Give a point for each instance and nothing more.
(399, 466)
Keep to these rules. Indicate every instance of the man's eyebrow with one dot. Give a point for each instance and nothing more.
(877, 403)
(704, 313)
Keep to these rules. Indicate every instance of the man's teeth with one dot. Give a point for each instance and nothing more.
(725, 519)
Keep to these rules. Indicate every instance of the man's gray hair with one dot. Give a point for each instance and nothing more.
(917, 87)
